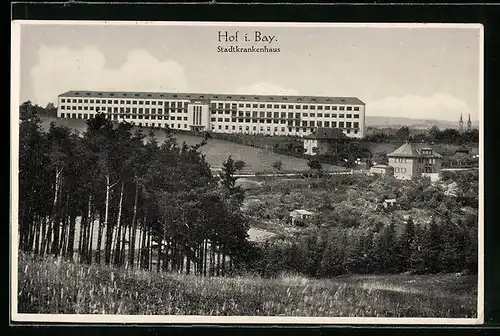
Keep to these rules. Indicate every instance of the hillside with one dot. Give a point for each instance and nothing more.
(376, 121)
(217, 151)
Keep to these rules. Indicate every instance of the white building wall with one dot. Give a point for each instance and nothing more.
(242, 116)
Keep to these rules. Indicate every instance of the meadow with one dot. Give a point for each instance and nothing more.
(56, 286)
(217, 151)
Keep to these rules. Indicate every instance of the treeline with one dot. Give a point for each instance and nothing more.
(426, 231)
(128, 190)
(433, 248)
(432, 135)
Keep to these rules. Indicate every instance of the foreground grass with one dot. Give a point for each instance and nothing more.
(50, 286)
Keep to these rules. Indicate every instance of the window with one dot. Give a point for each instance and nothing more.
(297, 107)
(313, 107)
(356, 124)
(356, 116)
(255, 105)
(283, 106)
(327, 124)
(305, 107)
(348, 116)
(320, 107)
(247, 105)
(356, 108)
(79, 101)
(327, 108)
(341, 115)
(313, 115)
(62, 115)
(334, 108)
(147, 102)
(349, 108)
(396, 169)
(79, 108)
(403, 170)
(341, 108)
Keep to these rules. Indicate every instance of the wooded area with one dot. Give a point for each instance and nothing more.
(118, 183)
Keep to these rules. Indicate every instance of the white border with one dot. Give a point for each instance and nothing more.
(191, 319)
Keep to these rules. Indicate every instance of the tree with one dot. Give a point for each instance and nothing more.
(314, 165)
(407, 245)
(239, 165)
(403, 133)
(277, 165)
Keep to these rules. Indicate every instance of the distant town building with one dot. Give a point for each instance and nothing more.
(300, 215)
(412, 160)
(381, 169)
(321, 141)
(461, 128)
(220, 113)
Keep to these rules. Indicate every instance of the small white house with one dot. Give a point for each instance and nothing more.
(381, 169)
(389, 203)
(300, 214)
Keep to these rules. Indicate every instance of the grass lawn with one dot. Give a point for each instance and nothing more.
(51, 286)
(217, 151)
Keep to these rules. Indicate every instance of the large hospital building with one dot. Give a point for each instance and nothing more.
(222, 113)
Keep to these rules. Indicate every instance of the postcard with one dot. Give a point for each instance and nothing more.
(246, 173)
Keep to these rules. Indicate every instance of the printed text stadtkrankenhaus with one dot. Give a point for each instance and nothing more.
(237, 49)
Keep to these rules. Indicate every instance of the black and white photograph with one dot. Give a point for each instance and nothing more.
(253, 173)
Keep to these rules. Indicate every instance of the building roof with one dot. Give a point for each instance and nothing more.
(381, 166)
(326, 133)
(213, 96)
(412, 150)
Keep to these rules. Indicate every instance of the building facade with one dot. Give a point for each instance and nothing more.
(411, 160)
(221, 113)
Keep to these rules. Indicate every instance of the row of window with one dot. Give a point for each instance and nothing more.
(420, 160)
(123, 102)
(303, 123)
(254, 114)
(213, 105)
(284, 106)
(275, 129)
(219, 127)
(399, 170)
(127, 116)
(289, 115)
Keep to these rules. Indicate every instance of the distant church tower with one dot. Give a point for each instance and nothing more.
(461, 124)
(469, 124)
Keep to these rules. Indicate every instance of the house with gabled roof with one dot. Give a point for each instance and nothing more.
(322, 139)
(413, 160)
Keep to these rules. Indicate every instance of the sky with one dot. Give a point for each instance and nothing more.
(424, 73)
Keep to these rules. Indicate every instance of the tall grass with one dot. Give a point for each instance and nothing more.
(53, 286)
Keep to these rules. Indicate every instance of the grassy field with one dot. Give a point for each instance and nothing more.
(51, 286)
(217, 151)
